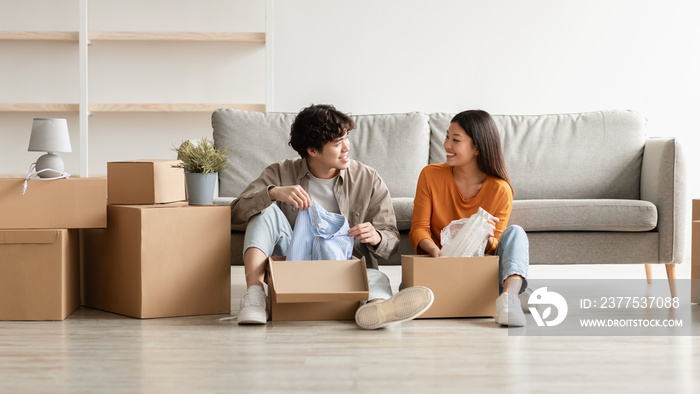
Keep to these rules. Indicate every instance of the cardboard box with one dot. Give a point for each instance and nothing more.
(695, 262)
(145, 182)
(51, 204)
(695, 253)
(39, 274)
(159, 261)
(462, 286)
(316, 290)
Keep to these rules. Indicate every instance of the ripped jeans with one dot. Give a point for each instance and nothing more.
(513, 253)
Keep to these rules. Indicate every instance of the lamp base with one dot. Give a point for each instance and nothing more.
(52, 162)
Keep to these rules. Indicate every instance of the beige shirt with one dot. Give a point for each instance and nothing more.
(361, 194)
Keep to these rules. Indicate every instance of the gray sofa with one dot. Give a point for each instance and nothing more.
(590, 188)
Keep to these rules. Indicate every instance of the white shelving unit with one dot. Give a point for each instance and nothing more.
(84, 39)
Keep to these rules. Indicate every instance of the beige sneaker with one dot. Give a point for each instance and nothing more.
(253, 306)
(405, 305)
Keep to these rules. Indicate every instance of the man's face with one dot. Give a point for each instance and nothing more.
(335, 155)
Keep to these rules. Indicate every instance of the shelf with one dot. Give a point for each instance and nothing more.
(83, 38)
(39, 107)
(174, 107)
(39, 36)
(132, 36)
(176, 36)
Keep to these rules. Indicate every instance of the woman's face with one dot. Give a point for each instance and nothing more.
(459, 147)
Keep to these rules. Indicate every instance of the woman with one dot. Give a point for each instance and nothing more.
(474, 175)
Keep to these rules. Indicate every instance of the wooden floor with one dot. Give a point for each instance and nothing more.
(94, 351)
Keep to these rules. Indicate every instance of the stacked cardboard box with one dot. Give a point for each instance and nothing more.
(157, 258)
(695, 253)
(39, 252)
(144, 182)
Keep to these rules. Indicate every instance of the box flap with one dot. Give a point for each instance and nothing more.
(29, 236)
(318, 280)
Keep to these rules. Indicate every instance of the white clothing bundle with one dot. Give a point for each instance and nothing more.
(466, 237)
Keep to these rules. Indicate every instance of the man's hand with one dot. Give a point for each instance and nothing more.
(366, 233)
(295, 195)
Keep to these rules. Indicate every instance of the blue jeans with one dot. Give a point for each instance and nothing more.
(513, 253)
(271, 232)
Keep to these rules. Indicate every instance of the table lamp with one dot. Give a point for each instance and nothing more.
(49, 135)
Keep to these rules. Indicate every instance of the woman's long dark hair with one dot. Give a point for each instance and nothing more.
(481, 128)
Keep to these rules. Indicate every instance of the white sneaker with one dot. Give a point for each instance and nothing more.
(508, 311)
(253, 306)
(524, 299)
(407, 304)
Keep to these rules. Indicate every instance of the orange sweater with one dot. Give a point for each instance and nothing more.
(438, 202)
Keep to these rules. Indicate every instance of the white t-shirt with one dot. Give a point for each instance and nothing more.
(321, 191)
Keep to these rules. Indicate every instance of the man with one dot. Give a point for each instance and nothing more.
(325, 174)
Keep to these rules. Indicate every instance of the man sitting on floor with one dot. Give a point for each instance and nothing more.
(326, 175)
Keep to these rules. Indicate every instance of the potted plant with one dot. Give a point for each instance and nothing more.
(201, 161)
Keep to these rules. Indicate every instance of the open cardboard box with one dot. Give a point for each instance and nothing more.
(53, 204)
(159, 261)
(147, 181)
(462, 286)
(39, 274)
(316, 290)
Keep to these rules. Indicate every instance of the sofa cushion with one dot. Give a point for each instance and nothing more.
(578, 156)
(584, 215)
(396, 145)
(403, 209)
(254, 140)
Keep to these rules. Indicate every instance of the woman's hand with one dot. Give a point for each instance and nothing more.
(295, 195)
(492, 221)
(429, 247)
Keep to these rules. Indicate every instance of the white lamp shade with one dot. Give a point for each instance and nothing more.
(49, 135)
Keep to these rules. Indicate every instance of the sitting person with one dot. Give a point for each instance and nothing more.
(474, 175)
(324, 174)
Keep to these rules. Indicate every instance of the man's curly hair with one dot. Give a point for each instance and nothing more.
(317, 125)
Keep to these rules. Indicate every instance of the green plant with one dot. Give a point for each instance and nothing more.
(201, 157)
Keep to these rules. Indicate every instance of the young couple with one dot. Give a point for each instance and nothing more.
(473, 176)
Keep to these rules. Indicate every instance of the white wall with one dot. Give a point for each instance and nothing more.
(364, 56)
(503, 56)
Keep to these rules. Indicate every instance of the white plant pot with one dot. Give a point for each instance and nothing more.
(200, 188)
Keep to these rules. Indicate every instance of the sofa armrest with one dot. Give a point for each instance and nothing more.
(663, 182)
(223, 200)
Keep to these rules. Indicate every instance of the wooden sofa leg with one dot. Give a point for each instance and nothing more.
(647, 268)
(671, 274)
